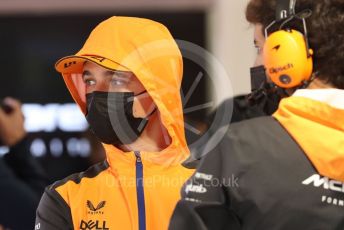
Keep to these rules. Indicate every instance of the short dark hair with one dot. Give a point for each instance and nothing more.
(325, 33)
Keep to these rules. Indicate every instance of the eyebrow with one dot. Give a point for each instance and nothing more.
(119, 74)
(109, 73)
(123, 74)
(86, 73)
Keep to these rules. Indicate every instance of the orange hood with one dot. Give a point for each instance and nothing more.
(315, 119)
(147, 49)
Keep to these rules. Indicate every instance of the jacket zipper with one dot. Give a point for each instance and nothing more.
(140, 192)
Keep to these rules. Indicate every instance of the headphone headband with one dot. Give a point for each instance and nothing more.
(284, 9)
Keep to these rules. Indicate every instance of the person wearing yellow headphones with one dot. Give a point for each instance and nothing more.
(126, 80)
(284, 171)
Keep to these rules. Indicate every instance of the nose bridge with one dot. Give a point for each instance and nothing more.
(102, 83)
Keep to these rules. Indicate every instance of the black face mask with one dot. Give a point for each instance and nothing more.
(258, 77)
(265, 95)
(110, 116)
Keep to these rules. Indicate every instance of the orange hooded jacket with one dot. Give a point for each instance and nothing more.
(317, 126)
(125, 191)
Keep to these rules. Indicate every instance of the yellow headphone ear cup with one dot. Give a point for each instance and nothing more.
(286, 58)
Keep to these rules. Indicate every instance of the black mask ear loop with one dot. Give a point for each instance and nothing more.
(143, 92)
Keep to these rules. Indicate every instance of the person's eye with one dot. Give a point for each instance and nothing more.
(119, 81)
(259, 49)
(89, 82)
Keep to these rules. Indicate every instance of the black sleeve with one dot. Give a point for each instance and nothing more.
(53, 213)
(232, 110)
(241, 109)
(17, 200)
(205, 203)
(26, 168)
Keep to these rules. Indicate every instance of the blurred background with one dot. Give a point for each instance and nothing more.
(36, 33)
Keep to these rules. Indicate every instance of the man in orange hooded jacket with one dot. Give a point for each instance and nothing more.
(126, 80)
(286, 171)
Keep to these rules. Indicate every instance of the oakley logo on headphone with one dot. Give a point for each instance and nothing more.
(273, 70)
(276, 47)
